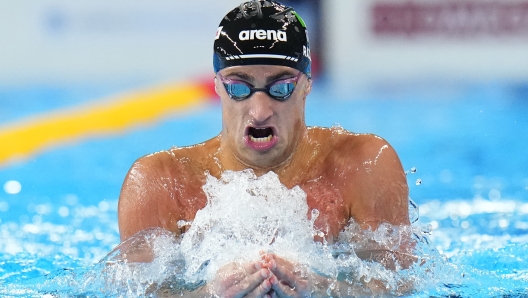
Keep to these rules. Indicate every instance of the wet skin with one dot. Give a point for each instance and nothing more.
(345, 176)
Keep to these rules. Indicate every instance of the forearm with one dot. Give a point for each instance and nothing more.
(368, 284)
(168, 289)
(321, 287)
(390, 259)
(330, 287)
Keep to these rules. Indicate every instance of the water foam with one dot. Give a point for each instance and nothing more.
(247, 214)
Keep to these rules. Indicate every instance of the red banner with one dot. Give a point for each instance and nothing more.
(448, 18)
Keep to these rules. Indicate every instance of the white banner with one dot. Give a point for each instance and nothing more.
(376, 42)
(54, 41)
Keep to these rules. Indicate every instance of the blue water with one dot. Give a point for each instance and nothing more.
(467, 145)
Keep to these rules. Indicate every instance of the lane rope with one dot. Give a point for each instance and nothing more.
(26, 137)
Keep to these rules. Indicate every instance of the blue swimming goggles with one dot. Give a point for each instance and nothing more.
(279, 90)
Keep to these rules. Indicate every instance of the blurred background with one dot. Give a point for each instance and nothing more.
(445, 82)
(356, 43)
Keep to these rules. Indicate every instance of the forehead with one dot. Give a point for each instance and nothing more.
(258, 71)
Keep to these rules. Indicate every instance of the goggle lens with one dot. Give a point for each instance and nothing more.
(237, 91)
(280, 90)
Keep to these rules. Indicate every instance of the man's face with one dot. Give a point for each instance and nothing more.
(259, 131)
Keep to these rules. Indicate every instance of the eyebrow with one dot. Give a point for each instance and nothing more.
(249, 78)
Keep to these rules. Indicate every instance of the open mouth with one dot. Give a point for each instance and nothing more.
(261, 138)
(260, 134)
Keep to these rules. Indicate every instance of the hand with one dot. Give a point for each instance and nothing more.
(287, 280)
(247, 280)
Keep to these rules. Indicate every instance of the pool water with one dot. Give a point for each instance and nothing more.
(463, 149)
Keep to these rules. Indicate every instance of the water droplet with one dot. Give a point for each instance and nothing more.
(418, 181)
(182, 223)
(315, 214)
(413, 170)
(434, 225)
(428, 228)
(337, 128)
(414, 213)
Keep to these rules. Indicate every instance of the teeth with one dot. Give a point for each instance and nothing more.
(260, 140)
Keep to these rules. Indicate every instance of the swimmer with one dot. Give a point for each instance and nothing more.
(263, 77)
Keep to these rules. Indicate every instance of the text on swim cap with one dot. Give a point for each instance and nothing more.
(218, 31)
(306, 52)
(262, 34)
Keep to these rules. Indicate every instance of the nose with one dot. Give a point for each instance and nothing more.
(261, 108)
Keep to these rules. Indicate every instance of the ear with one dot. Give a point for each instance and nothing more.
(216, 88)
(308, 87)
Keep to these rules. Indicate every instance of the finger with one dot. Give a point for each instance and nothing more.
(283, 273)
(257, 284)
(251, 268)
(266, 257)
(276, 261)
(262, 290)
(237, 279)
(281, 261)
(236, 272)
(283, 290)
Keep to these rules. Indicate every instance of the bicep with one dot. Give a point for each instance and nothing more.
(136, 210)
(383, 187)
(393, 196)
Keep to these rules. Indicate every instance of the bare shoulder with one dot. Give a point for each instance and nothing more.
(159, 188)
(372, 176)
(176, 163)
(346, 146)
(141, 192)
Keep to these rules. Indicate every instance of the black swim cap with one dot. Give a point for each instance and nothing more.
(262, 32)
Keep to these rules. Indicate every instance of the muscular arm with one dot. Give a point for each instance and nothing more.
(153, 196)
(379, 195)
(380, 190)
(146, 200)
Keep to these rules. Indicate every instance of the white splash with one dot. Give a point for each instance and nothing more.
(246, 214)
